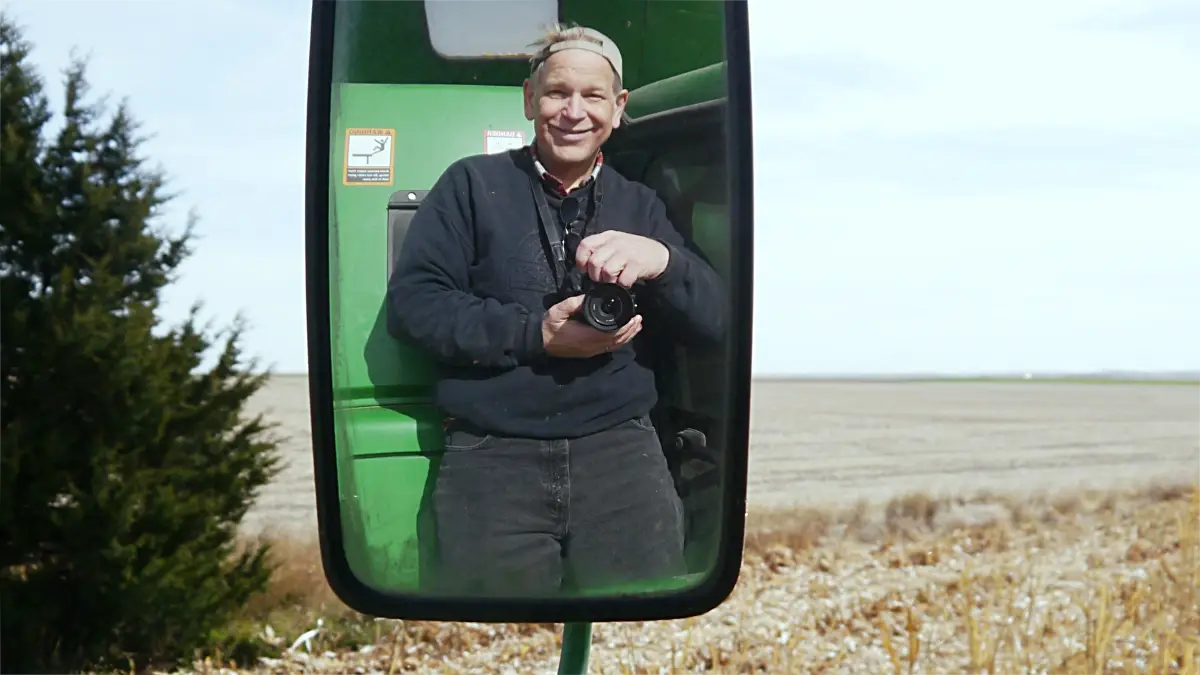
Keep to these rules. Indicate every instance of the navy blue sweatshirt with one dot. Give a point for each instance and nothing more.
(471, 284)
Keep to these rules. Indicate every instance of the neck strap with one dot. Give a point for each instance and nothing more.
(552, 229)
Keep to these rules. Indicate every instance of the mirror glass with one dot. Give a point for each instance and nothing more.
(531, 287)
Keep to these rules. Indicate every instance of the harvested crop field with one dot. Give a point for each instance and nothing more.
(828, 443)
(894, 528)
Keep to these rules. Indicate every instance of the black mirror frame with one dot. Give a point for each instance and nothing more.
(649, 607)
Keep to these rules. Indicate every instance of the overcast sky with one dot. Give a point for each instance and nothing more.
(940, 186)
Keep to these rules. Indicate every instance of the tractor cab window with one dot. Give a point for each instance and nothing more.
(691, 183)
(477, 29)
(689, 174)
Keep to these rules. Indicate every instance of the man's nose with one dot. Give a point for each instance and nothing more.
(574, 108)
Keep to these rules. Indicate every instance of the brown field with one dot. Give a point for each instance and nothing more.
(822, 444)
(893, 528)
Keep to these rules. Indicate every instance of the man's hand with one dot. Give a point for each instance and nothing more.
(621, 257)
(566, 337)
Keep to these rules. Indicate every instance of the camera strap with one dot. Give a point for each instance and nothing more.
(552, 229)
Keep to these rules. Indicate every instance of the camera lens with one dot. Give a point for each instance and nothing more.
(607, 307)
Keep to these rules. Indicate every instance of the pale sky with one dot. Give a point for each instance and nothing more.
(946, 186)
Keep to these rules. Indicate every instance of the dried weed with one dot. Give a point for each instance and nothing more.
(1080, 583)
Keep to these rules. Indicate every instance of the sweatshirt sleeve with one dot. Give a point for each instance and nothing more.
(429, 293)
(689, 291)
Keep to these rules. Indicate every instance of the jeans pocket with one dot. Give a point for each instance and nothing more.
(459, 438)
(643, 422)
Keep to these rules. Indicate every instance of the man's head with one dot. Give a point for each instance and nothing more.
(574, 95)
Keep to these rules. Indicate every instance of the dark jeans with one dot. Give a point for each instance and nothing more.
(519, 516)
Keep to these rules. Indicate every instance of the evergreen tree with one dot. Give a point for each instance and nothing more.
(125, 466)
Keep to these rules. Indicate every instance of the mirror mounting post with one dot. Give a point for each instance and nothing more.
(576, 648)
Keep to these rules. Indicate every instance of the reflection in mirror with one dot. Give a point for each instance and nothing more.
(530, 289)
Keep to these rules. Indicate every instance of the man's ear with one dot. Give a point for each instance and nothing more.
(619, 110)
(530, 103)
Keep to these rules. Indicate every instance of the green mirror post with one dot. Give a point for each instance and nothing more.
(576, 649)
(399, 91)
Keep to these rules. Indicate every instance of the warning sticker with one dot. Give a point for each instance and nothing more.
(496, 142)
(370, 157)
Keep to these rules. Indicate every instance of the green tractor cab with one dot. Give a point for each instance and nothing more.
(401, 110)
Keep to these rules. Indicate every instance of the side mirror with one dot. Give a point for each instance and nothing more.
(467, 467)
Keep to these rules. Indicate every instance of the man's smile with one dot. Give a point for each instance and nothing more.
(570, 134)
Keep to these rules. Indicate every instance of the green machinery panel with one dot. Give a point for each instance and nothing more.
(388, 436)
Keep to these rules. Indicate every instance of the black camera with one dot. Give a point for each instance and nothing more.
(608, 307)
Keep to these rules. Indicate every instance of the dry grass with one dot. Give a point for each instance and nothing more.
(1082, 583)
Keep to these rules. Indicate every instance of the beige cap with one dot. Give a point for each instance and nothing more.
(587, 39)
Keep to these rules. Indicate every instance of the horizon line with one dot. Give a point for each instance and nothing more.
(1185, 374)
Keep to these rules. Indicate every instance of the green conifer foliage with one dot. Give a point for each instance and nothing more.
(126, 463)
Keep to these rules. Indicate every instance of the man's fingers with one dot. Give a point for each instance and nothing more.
(622, 333)
(631, 334)
(630, 329)
(629, 274)
(590, 244)
(618, 338)
(598, 261)
(597, 239)
(613, 267)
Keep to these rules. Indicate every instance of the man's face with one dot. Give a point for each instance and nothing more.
(572, 105)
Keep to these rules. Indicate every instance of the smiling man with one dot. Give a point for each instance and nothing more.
(552, 470)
